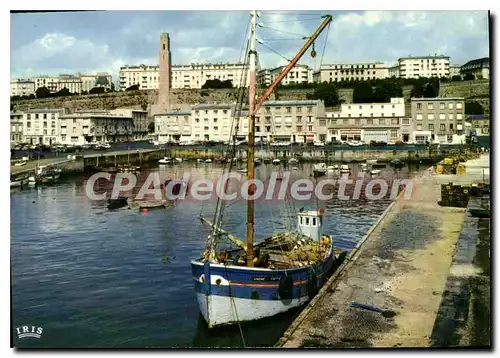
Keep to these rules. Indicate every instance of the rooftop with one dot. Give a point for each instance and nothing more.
(212, 106)
(423, 57)
(477, 63)
(291, 103)
(438, 99)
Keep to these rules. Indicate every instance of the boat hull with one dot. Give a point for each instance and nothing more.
(231, 294)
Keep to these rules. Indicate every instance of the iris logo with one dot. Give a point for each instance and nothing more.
(27, 331)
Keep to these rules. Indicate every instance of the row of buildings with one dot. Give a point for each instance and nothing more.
(195, 75)
(74, 83)
(427, 119)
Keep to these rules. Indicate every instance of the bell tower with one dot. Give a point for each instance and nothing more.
(165, 73)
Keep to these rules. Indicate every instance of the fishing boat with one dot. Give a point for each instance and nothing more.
(332, 168)
(293, 161)
(117, 203)
(363, 167)
(276, 162)
(160, 204)
(48, 177)
(242, 170)
(375, 171)
(344, 168)
(208, 161)
(319, 169)
(285, 270)
(126, 168)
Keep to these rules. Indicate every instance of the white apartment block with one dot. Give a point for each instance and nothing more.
(183, 76)
(425, 66)
(212, 122)
(454, 70)
(22, 87)
(42, 126)
(350, 72)
(95, 126)
(298, 74)
(72, 84)
(49, 82)
(394, 71)
(379, 122)
(173, 126)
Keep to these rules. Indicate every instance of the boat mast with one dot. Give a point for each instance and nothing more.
(251, 140)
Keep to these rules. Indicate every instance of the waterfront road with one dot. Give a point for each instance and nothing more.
(402, 266)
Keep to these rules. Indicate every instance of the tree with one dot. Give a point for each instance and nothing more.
(112, 87)
(469, 77)
(473, 107)
(31, 96)
(96, 90)
(429, 91)
(327, 92)
(217, 84)
(11, 106)
(456, 78)
(362, 93)
(63, 92)
(42, 92)
(132, 88)
(387, 90)
(151, 127)
(84, 92)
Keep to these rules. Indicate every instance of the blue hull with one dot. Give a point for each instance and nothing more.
(230, 294)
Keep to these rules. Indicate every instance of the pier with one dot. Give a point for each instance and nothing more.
(407, 263)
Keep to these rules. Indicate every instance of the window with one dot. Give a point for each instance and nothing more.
(394, 114)
(299, 128)
(419, 127)
(459, 116)
(394, 133)
(451, 126)
(288, 109)
(309, 109)
(348, 107)
(310, 128)
(360, 107)
(45, 116)
(459, 105)
(307, 221)
(357, 121)
(345, 121)
(300, 220)
(216, 128)
(382, 114)
(197, 120)
(313, 221)
(74, 120)
(431, 127)
(44, 124)
(349, 115)
(442, 116)
(405, 121)
(430, 106)
(450, 116)
(369, 121)
(419, 116)
(215, 120)
(299, 119)
(450, 105)
(430, 116)
(257, 129)
(206, 120)
(419, 105)
(441, 106)
(442, 127)
(268, 110)
(36, 116)
(205, 128)
(395, 121)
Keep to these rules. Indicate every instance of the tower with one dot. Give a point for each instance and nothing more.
(165, 73)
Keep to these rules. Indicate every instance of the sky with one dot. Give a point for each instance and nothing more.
(87, 42)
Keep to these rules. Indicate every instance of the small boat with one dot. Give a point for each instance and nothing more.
(344, 168)
(371, 161)
(396, 163)
(266, 160)
(117, 203)
(111, 170)
(257, 162)
(319, 169)
(242, 170)
(48, 177)
(105, 146)
(208, 161)
(276, 161)
(375, 171)
(165, 160)
(363, 167)
(480, 212)
(20, 164)
(152, 204)
(19, 181)
(332, 168)
(178, 160)
(293, 161)
(128, 169)
(199, 160)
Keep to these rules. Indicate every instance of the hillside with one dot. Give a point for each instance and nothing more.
(477, 90)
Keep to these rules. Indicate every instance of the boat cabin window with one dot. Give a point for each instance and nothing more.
(314, 222)
(300, 220)
(307, 221)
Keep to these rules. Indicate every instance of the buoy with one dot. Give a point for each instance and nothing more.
(144, 210)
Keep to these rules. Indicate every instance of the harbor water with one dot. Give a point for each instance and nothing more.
(91, 277)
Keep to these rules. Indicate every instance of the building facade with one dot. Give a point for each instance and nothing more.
(16, 127)
(173, 126)
(393, 71)
(22, 87)
(454, 70)
(71, 83)
(297, 75)
(378, 122)
(49, 82)
(95, 126)
(212, 122)
(42, 126)
(480, 122)
(140, 121)
(350, 72)
(479, 68)
(425, 66)
(443, 117)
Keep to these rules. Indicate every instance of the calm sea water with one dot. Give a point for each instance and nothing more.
(91, 277)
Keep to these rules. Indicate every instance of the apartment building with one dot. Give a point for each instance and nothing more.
(49, 82)
(443, 117)
(479, 68)
(425, 66)
(71, 83)
(100, 79)
(298, 74)
(212, 122)
(42, 126)
(480, 122)
(173, 126)
(183, 76)
(16, 127)
(455, 70)
(22, 87)
(294, 121)
(139, 119)
(350, 72)
(379, 122)
(95, 126)
(393, 71)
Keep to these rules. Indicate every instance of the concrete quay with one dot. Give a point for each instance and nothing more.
(56, 162)
(407, 263)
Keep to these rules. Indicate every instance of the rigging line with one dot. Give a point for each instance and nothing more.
(324, 46)
(292, 13)
(285, 32)
(276, 52)
(281, 39)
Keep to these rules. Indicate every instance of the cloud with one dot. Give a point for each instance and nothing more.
(104, 41)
